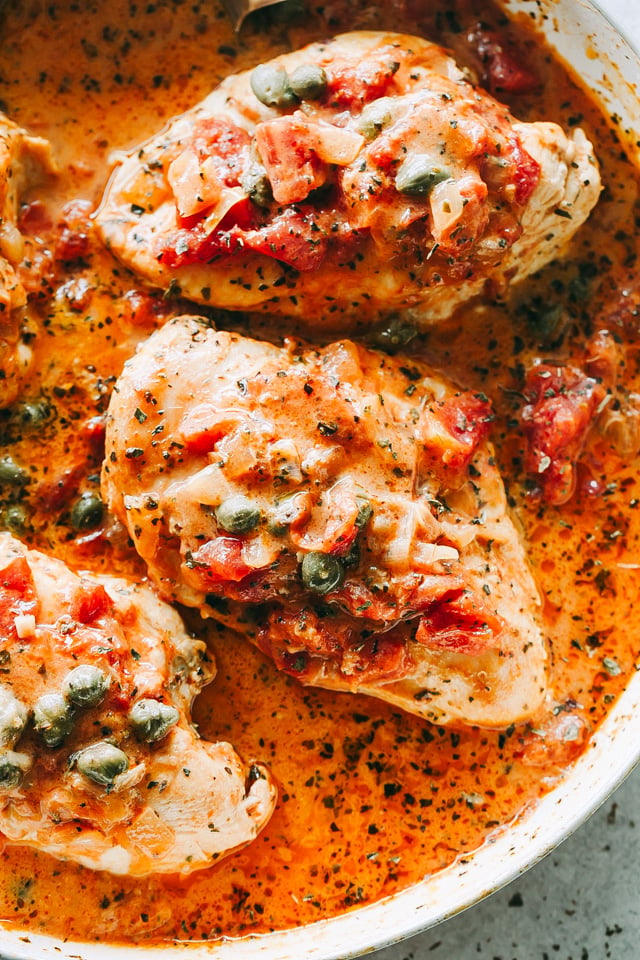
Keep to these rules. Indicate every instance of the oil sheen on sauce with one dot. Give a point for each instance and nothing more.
(371, 800)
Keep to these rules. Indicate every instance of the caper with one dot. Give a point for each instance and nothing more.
(321, 572)
(270, 84)
(365, 512)
(11, 473)
(151, 720)
(14, 518)
(308, 81)
(375, 117)
(238, 514)
(102, 762)
(87, 512)
(394, 333)
(13, 767)
(52, 718)
(13, 718)
(418, 175)
(256, 185)
(33, 413)
(86, 685)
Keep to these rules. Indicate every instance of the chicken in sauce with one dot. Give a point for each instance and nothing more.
(360, 175)
(339, 507)
(99, 761)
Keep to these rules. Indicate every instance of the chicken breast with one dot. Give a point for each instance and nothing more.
(350, 177)
(339, 507)
(99, 762)
(24, 161)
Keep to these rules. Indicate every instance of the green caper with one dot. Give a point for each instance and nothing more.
(33, 413)
(256, 184)
(13, 717)
(321, 572)
(52, 718)
(375, 117)
(365, 512)
(87, 512)
(86, 685)
(151, 720)
(308, 81)
(11, 473)
(238, 514)
(270, 84)
(102, 762)
(13, 767)
(418, 175)
(394, 334)
(14, 518)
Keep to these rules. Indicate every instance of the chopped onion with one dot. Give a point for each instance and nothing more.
(426, 554)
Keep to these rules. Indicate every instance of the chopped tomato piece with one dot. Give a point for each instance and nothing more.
(451, 431)
(380, 658)
(562, 405)
(292, 238)
(527, 171)
(227, 146)
(17, 594)
(221, 560)
(505, 66)
(360, 82)
(286, 148)
(462, 624)
(91, 602)
(203, 426)
(75, 231)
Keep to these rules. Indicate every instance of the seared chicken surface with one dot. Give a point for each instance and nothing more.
(24, 161)
(99, 762)
(349, 177)
(340, 507)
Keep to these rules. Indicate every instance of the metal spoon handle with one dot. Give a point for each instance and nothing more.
(239, 9)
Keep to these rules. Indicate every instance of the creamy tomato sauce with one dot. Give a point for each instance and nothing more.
(371, 800)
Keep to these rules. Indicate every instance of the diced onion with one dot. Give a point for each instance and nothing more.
(429, 553)
(25, 624)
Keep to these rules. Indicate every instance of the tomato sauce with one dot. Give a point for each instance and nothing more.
(371, 799)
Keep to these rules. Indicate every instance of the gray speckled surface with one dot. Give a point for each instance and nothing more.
(581, 903)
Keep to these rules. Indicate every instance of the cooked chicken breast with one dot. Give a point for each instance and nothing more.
(24, 161)
(339, 507)
(99, 762)
(353, 176)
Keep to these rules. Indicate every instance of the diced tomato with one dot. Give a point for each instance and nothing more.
(505, 66)
(382, 658)
(557, 742)
(452, 430)
(227, 144)
(75, 228)
(290, 237)
(463, 624)
(286, 148)
(90, 602)
(93, 431)
(527, 171)
(556, 422)
(17, 595)
(144, 309)
(34, 219)
(202, 427)
(358, 83)
(221, 560)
